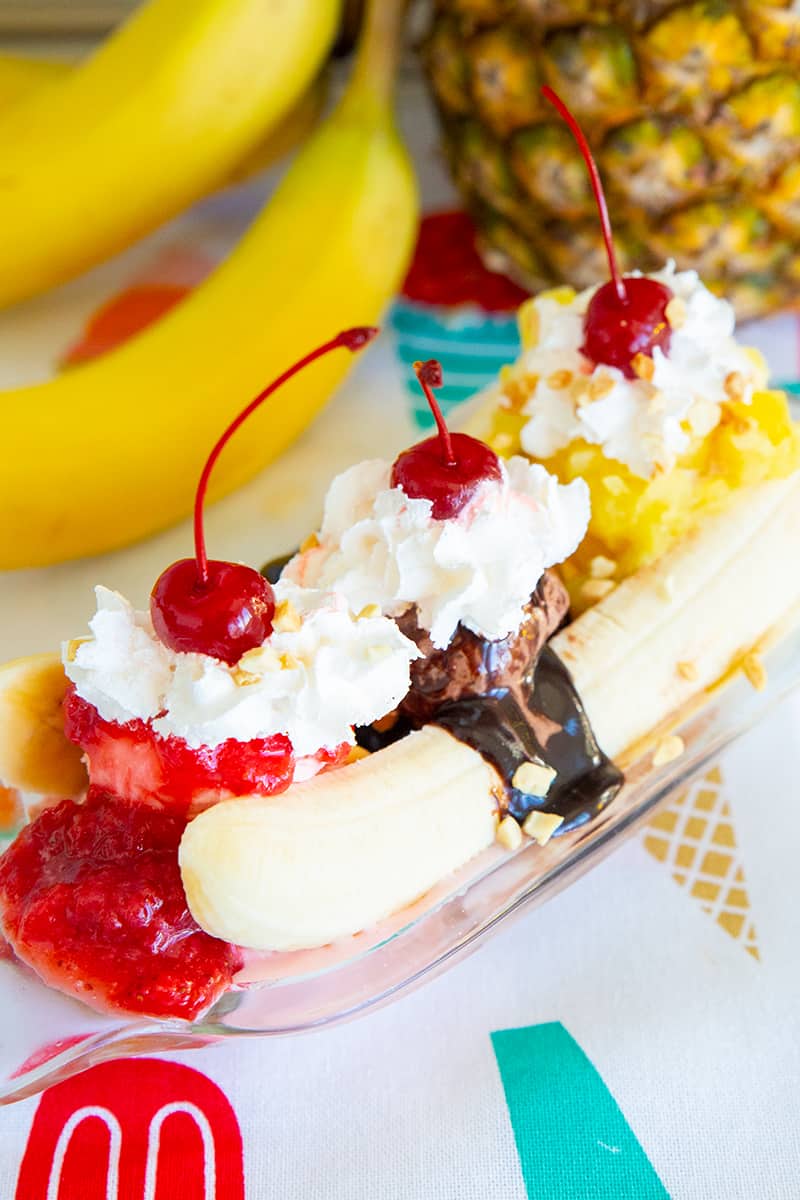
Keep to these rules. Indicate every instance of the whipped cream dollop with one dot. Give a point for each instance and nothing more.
(379, 546)
(645, 423)
(312, 682)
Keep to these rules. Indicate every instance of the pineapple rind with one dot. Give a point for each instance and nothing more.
(692, 108)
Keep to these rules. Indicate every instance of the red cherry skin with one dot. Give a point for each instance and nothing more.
(423, 474)
(615, 331)
(225, 617)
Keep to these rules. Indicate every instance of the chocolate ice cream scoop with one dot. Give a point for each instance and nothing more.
(513, 701)
(472, 666)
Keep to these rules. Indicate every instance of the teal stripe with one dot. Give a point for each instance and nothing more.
(792, 386)
(427, 323)
(572, 1138)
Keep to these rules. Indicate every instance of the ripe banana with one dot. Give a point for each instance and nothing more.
(336, 854)
(110, 451)
(159, 115)
(20, 77)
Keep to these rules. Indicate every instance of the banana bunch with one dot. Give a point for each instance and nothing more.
(337, 853)
(109, 451)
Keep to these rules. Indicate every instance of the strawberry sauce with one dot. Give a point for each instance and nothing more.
(92, 899)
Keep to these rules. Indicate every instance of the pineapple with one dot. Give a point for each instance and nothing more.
(693, 110)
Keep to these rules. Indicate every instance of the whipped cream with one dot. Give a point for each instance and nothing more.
(378, 546)
(644, 423)
(312, 683)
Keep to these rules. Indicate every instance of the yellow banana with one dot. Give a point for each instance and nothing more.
(157, 117)
(20, 77)
(110, 451)
(287, 134)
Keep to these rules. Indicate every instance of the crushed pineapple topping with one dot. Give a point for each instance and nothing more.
(647, 422)
(322, 671)
(706, 423)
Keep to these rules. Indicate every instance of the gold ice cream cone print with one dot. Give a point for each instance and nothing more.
(694, 836)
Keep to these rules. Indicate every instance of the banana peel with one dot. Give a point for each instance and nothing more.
(109, 451)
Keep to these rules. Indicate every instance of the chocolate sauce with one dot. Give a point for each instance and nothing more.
(524, 707)
(540, 717)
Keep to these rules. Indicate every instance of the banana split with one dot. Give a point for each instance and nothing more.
(272, 764)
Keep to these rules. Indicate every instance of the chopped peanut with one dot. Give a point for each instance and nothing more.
(559, 379)
(600, 385)
(734, 385)
(287, 619)
(668, 749)
(258, 660)
(675, 312)
(533, 778)
(643, 366)
(601, 567)
(509, 834)
(687, 670)
(541, 826)
(596, 589)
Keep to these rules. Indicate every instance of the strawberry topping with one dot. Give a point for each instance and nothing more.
(92, 899)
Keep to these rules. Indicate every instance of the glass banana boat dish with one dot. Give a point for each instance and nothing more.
(48, 1037)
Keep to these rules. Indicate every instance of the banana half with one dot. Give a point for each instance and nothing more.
(336, 854)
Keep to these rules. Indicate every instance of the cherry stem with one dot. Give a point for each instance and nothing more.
(597, 187)
(430, 376)
(349, 339)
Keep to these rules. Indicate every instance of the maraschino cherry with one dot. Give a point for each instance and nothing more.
(626, 316)
(448, 468)
(224, 609)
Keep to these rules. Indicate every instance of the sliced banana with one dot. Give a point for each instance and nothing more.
(676, 627)
(336, 854)
(35, 755)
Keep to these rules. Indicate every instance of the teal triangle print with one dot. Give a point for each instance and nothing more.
(572, 1137)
